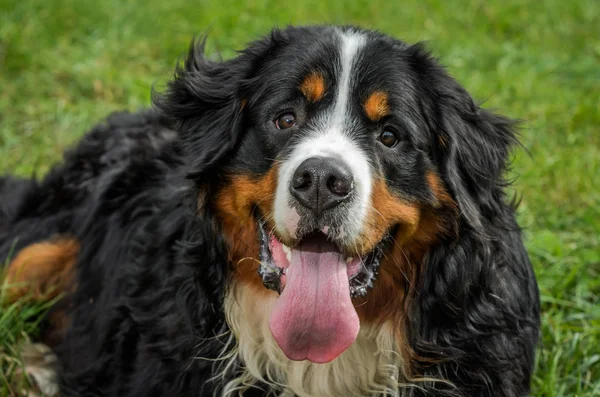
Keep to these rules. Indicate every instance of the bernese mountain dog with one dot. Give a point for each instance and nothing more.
(322, 215)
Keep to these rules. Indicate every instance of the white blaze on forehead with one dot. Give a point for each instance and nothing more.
(331, 138)
(351, 44)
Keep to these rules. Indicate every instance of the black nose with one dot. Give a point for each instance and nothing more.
(321, 183)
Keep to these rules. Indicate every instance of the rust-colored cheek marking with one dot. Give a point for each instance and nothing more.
(234, 206)
(420, 227)
(386, 211)
(376, 106)
(313, 87)
(43, 270)
(385, 301)
(414, 219)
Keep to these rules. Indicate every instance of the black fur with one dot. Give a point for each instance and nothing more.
(153, 269)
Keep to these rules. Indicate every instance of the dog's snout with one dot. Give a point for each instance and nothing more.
(321, 183)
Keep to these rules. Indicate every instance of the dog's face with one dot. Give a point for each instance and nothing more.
(335, 158)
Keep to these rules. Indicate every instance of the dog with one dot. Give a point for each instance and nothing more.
(322, 215)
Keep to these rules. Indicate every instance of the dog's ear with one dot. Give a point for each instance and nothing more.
(471, 146)
(205, 101)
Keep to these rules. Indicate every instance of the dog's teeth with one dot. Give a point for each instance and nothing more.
(288, 252)
(349, 259)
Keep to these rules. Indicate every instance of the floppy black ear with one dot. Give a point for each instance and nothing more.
(474, 145)
(205, 100)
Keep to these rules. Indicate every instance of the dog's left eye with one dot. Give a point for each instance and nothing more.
(285, 121)
(388, 138)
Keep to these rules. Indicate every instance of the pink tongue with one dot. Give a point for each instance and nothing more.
(314, 318)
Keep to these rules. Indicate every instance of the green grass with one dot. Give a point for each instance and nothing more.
(64, 64)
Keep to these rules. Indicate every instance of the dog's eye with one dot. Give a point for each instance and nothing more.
(285, 121)
(388, 138)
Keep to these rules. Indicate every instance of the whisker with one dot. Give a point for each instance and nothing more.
(380, 214)
(406, 277)
(382, 178)
(248, 258)
(276, 161)
(268, 196)
(362, 304)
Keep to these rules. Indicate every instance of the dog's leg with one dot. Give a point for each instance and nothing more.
(40, 366)
(42, 270)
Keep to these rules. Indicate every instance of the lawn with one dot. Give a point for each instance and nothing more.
(64, 64)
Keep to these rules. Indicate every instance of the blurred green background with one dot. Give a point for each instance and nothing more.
(65, 64)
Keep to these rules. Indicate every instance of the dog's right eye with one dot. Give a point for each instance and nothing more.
(285, 121)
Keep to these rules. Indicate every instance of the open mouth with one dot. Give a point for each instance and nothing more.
(314, 318)
(275, 258)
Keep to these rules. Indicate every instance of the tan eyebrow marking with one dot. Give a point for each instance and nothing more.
(313, 87)
(376, 106)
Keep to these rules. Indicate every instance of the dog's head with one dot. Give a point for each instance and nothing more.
(334, 159)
